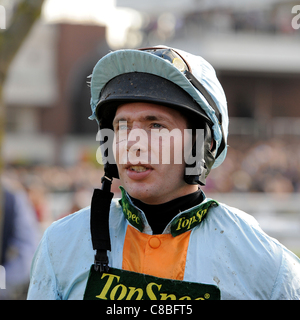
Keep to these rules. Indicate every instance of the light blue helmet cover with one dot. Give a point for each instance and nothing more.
(125, 61)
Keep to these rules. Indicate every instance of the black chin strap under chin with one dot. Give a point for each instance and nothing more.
(99, 224)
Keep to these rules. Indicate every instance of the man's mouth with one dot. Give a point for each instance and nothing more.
(138, 171)
(138, 168)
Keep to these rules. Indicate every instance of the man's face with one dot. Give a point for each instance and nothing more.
(140, 152)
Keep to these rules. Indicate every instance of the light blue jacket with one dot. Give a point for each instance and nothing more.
(227, 249)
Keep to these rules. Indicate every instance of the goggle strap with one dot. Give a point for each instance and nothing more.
(198, 85)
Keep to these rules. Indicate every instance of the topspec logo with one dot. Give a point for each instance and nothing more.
(2, 18)
(2, 278)
(296, 19)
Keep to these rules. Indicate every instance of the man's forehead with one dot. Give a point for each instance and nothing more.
(145, 112)
(140, 118)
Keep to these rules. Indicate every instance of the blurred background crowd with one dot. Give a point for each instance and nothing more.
(271, 166)
(49, 147)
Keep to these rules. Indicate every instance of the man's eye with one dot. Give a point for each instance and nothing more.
(123, 125)
(157, 126)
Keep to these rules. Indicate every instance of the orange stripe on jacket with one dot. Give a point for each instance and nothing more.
(161, 255)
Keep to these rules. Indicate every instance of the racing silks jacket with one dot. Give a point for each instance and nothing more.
(211, 243)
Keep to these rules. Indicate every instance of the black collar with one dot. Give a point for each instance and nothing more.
(158, 216)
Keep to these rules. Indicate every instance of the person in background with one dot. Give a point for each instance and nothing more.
(20, 238)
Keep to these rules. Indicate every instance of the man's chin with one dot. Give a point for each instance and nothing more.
(140, 191)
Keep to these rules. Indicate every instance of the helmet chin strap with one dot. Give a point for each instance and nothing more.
(203, 166)
(99, 223)
(200, 177)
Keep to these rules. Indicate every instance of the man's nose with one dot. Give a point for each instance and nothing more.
(137, 140)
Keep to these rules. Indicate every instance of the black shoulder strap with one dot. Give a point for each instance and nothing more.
(99, 224)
